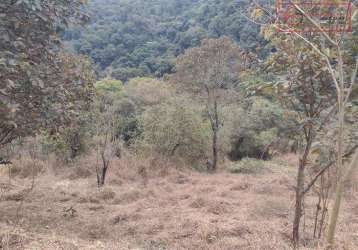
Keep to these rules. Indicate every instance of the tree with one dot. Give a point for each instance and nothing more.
(257, 127)
(175, 128)
(37, 82)
(306, 88)
(146, 92)
(106, 119)
(343, 73)
(65, 114)
(209, 71)
(334, 60)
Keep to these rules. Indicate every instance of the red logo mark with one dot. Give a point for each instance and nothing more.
(331, 16)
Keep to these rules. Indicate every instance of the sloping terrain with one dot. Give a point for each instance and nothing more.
(172, 210)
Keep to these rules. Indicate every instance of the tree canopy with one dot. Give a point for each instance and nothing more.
(142, 37)
(39, 85)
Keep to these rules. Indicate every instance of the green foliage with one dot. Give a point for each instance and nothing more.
(40, 87)
(130, 38)
(302, 80)
(247, 166)
(255, 128)
(71, 141)
(125, 74)
(108, 86)
(145, 92)
(121, 105)
(210, 67)
(67, 145)
(174, 129)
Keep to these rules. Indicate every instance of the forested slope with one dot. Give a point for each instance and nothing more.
(128, 38)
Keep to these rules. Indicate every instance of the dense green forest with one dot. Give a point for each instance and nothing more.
(129, 38)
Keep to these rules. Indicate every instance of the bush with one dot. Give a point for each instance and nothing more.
(247, 166)
(256, 128)
(108, 86)
(174, 129)
(146, 92)
(68, 144)
(27, 167)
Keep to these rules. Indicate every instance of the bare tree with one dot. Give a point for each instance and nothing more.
(107, 143)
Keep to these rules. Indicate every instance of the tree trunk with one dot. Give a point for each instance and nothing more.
(300, 191)
(340, 170)
(215, 150)
(298, 204)
(215, 128)
(105, 165)
(338, 198)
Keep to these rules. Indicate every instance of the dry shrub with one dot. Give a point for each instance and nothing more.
(181, 179)
(237, 231)
(352, 186)
(79, 172)
(93, 200)
(155, 245)
(95, 197)
(14, 195)
(218, 207)
(289, 159)
(268, 241)
(209, 233)
(142, 166)
(26, 167)
(82, 168)
(96, 208)
(199, 203)
(240, 187)
(268, 189)
(120, 218)
(128, 197)
(95, 231)
(271, 208)
(105, 194)
(13, 239)
(248, 166)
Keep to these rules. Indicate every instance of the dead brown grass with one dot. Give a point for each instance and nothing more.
(26, 167)
(173, 209)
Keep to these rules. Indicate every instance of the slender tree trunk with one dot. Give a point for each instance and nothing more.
(215, 149)
(318, 209)
(338, 198)
(300, 190)
(215, 126)
(340, 170)
(105, 166)
(102, 172)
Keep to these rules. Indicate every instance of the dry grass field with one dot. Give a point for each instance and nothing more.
(165, 208)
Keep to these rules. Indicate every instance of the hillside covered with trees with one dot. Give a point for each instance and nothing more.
(129, 38)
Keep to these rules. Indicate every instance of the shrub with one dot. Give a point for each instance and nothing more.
(108, 86)
(146, 92)
(27, 167)
(175, 129)
(256, 128)
(247, 166)
(67, 144)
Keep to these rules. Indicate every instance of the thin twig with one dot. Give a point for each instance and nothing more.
(325, 168)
